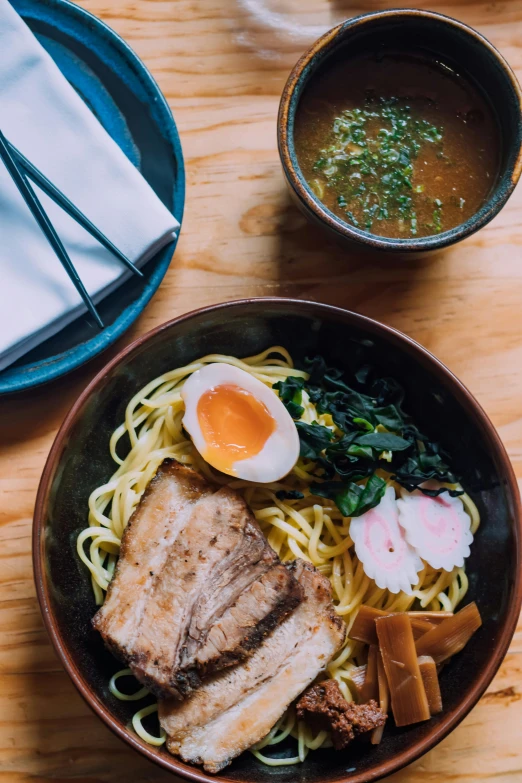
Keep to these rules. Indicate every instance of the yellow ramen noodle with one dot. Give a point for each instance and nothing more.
(310, 528)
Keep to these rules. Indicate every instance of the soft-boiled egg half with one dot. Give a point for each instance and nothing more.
(239, 425)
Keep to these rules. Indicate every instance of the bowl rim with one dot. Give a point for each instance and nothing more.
(303, 70)
(463, 395)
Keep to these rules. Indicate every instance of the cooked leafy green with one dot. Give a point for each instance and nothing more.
(292, 494)
(389, 417)
(361, 414)
(291, 395)
(351, 499)
(314, 439)
(363, 423)
(383, 441)
(423, 466)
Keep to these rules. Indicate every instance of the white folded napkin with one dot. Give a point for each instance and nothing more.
(41, 114)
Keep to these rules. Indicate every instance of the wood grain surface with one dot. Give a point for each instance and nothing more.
(222, 65)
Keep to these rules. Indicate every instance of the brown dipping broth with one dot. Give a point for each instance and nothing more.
(397, 145)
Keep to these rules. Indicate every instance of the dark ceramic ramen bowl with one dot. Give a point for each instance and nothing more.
(439, 37)
(79, 461)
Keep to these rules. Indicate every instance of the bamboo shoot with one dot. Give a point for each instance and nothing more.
(431, 617)
(408, 697)
(370, 689)
(363, 628)
(357, 678)
(384, 699)
(428, 670)
(451, 635)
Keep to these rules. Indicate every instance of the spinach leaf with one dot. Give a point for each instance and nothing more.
(346, 496)
(353, 469)
(434, 493)
(425, 465)
(291, 395)
(325, 468)
(357, 412)
(347, 501)
(372, 494)
(390, 417)
(331, 379)
(363, 423)
(349, 460)
(356, 450)
(363, 374)
(295, 411)
(386, 391)
(314, 438)
(351, 499)
(341, 446)
(291, 494)
(345, 407)
(316, 369)
(383, 441)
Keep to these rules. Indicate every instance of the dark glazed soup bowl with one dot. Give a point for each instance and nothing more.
(79, 461)
(440, 38)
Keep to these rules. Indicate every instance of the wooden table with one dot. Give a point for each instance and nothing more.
(222, 68)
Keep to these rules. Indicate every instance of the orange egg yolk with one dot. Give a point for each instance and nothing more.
(234, 424)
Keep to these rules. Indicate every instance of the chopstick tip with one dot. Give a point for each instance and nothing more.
(98, 319)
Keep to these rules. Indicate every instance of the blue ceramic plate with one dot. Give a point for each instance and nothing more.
(120, 91)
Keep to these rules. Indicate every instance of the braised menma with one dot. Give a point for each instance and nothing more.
(397, 145)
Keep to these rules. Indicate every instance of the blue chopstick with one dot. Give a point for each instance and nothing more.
(45, 224)
(61, 199)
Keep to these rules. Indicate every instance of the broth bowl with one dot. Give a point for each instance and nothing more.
(445, 41)
(79, 461)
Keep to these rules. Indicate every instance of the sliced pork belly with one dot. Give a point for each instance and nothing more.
(244, 625)
(220, 582)
(163, 511)
(236, 708)
(210, 599)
